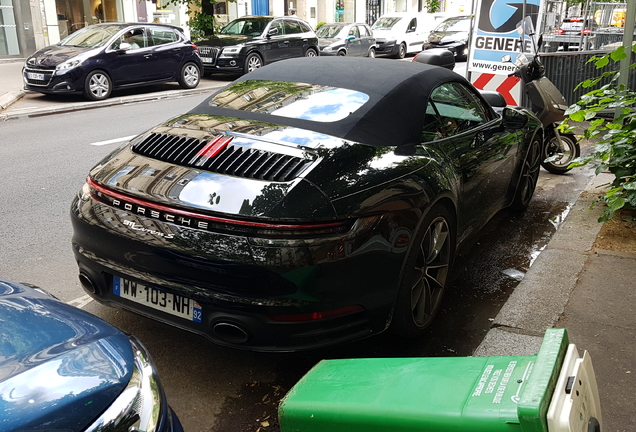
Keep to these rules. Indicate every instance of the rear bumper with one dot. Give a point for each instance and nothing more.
(242, 299)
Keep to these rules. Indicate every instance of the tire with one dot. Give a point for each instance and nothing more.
(371, 53)
(97, 85)
(401, 51)
(312, 53)
(425, 274)
(342, 53)
(560, 165)
(252, 62)
(528, 177)
(190, 76)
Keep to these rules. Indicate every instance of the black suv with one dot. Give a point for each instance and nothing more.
(250, 42)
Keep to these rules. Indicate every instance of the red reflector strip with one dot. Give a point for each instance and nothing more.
(559, 31)
(213, 148)
(317, 315)
(174, 211)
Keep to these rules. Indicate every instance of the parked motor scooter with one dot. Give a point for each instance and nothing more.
(549, 105)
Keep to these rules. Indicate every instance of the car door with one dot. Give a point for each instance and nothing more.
(366, 40)
(294, 34)
(277, 46)
(353, 45)
(411, 36)
(135, 64)
(168, 51)
(483, 153)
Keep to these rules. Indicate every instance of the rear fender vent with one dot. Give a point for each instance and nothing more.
(219, 155)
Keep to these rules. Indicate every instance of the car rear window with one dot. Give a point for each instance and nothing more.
(293, 100)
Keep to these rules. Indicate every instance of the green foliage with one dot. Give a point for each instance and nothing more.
(320, 24)
(615, 149)
(432, 5)
(201, 23)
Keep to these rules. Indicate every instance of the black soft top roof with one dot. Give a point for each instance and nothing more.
(398, 94)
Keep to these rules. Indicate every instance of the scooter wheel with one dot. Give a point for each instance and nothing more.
(567, 154)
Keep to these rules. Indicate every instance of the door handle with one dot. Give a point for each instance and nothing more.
(147, 55)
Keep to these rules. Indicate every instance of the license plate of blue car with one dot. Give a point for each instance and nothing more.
(155, 298)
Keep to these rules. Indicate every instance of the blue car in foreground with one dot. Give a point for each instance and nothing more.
(64, 369)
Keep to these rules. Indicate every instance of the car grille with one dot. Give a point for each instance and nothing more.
(47, 75)
(208, 54)
(232, 160)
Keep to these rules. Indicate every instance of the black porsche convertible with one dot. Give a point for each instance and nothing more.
(311, 202)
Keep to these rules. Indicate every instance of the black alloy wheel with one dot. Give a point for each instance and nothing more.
(401, 51)
(312, 53)
(97, 85)
(564, 155)
(252, 62)
(342, 53)
(529, 176)
(190, 76)
(425, 274)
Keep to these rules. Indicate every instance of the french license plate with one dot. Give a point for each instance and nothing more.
(207, 60)
(157, 299)
(35, 76)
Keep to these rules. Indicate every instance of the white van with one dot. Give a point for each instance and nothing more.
(397, 34)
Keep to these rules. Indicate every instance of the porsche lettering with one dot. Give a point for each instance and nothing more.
(164, 216)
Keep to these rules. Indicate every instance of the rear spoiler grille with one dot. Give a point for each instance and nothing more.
(219, 155)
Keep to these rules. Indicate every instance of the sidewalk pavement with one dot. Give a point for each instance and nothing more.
(591, 293)
(572, 285)
(11, 91)
(11, 83)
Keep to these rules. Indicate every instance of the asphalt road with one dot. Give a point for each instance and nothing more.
(44, 161)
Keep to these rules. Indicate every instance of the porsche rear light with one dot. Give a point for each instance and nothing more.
(312, 316)
(204, 221)
(559, 31)
(587, 31)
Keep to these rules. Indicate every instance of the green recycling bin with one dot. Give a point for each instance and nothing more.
(552, 391)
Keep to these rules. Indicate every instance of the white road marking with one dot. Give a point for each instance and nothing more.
(81, 302)
(113, 141)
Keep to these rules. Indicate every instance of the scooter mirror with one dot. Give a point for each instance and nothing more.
(540, 42)
(506, 58)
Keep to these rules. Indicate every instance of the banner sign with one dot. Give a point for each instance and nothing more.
(495, 34)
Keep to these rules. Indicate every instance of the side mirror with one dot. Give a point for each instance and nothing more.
(405, 150)
(272, 32)
(514, 119)
(540, 41)
(506, 58)
(123, 47)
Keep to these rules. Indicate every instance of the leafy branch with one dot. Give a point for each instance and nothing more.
(615, 150)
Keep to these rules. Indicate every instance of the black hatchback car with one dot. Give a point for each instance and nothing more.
(250, 42)
(452, 34)
(102, 57)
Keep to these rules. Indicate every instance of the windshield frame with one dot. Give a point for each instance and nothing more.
(463, 24)
(386, 23)
(331, 35)
(234, 25)
(106, 30)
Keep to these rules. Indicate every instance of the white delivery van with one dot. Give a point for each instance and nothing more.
(397, 34)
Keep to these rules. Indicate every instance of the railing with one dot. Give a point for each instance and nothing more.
(567, 69)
